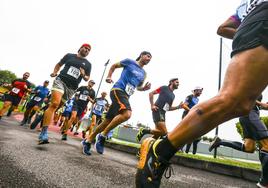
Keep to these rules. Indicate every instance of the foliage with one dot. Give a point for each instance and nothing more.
(7, 76)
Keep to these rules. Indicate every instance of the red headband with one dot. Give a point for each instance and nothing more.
(86, 45)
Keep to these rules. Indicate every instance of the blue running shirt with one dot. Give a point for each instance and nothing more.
(132, 76)
(41, 93)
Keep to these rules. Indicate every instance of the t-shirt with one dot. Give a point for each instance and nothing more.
(18, 87)
(41, 93)
(99, 106)
(132, 76)
(69, 105)
(70, 74)
(165, 98)
(82, 96)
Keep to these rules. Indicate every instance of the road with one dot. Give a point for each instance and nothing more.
(23, 163)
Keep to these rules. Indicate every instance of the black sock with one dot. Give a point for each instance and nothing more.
(235, 145)
(263, 155)
(165, 149)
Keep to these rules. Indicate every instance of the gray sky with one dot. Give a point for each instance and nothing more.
(181, 35)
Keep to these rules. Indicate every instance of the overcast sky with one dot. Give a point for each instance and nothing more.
(181, 35)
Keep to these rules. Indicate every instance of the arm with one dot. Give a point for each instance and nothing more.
(147, 86)
(151, 99)
(228, 28)
(111, 71)
(56, 70)
(83, 74)
(262, 105)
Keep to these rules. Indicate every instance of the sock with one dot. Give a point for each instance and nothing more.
(235, 145)
(165, 149)
(263, 155)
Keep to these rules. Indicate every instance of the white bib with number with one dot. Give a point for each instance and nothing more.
(74, 72)
(98, 108)
(166, 107)
(83, 97)
(37, 99)
(130, 89)
(15, 90)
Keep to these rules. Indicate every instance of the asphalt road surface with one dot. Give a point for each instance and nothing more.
(23, 163)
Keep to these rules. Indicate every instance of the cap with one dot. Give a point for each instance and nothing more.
(85, 45)
(46, 81)
(173, 79)
(197, 88)
(143, 53)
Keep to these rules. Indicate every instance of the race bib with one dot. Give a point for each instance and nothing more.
(166, 107)
(98, 108)
(130, 89)
(37, 99)
(15, 90)
(83, 97)
(74, 72)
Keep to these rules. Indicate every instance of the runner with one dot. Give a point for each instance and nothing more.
(40, 94)
(86, 94)
(76, 67)
(101, 104)
(132, 76)
(190, 101)
(245, 79)
(68, 106)
(159, 109)
(18, 88)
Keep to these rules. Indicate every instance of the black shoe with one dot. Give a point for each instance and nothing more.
(214, 144)
(151, 167)
(64, 137)
(141, 133)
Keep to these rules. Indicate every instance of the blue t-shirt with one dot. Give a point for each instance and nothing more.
(41, 92)
(132, 76)
(99, 106)
(191, 100)
(69, 105)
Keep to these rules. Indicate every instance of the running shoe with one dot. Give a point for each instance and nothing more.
(64, 137)
(141, 133)
(151, 167)
(214, 144)
(99, 144)
(86, 147)
(43, 137)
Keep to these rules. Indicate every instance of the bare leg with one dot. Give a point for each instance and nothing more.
(5, 107)
(98, 129)
(240, 89)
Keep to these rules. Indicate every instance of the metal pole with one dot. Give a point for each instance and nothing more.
(100, 84)
(219, 86)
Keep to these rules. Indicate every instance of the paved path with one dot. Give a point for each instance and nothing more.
(23, 163)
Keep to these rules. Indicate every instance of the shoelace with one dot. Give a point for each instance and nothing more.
(168, 172)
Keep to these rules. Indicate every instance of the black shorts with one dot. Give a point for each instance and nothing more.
(253, 127)
(159, 115)
(119, 102)
(14, 99)
(66, 114)
(98, 118)
(33, 103)
(79, 110)
(252, 31)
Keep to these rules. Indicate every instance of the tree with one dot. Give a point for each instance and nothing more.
(7, 76)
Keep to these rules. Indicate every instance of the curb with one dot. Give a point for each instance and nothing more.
(218, 168)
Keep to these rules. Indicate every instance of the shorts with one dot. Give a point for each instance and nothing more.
(250, 36)
(66, 114)
(60, 86)
(98, 118)
(14, 99)
(253, 127)
(159, 115)
(79, 110)
(33, 103)
(119, 102)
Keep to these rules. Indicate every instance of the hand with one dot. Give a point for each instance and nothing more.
(147, 86)
(109, 80)
(154, 108)
(82, 71)
(53, 74)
